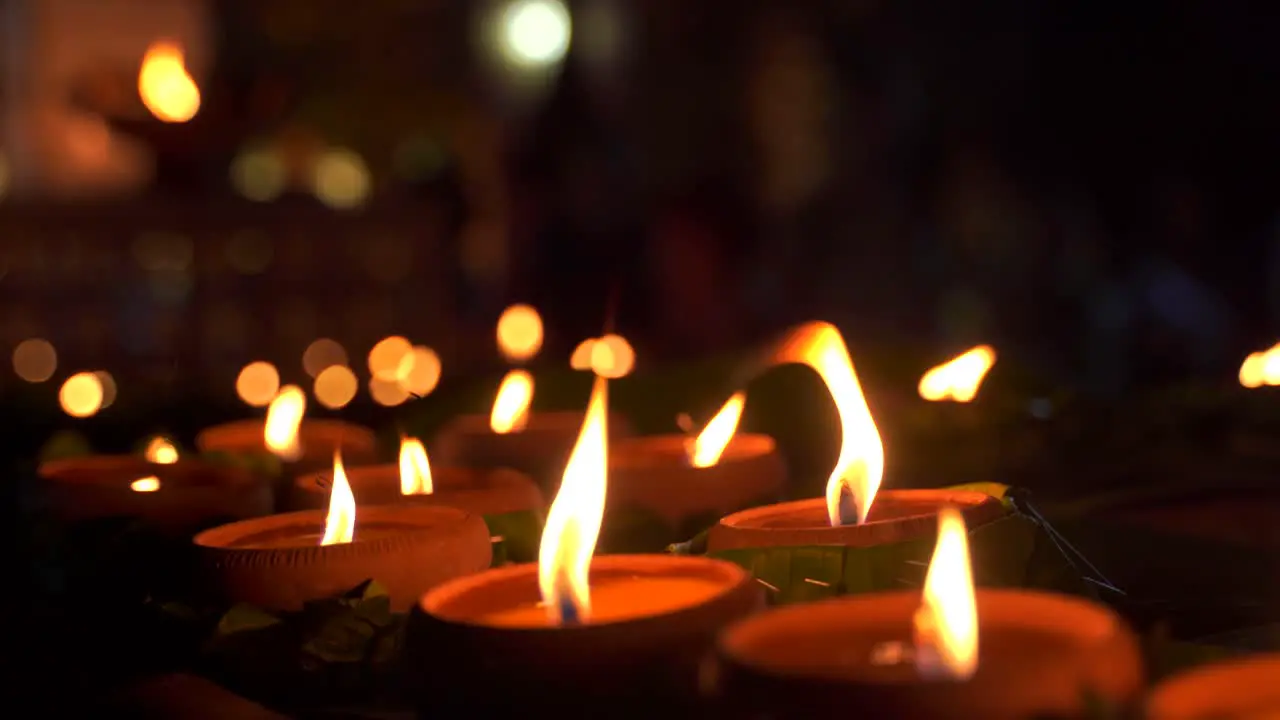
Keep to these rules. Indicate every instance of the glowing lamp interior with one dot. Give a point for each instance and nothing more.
(340, 523)
(958, 379)
(511, 406)
(415, 470)
(161, 451)
(1261, 368)
(284, 417)
(573, 522)
(709, 445)
(164, 85)
(946, 624)
(146, 484)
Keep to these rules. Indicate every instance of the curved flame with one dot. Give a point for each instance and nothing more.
(415, 470)
(164, 85)
(958, 379)
(946, 624)
(573, 522)
(340, 523)
(709, 445)
(161, 451)
(284, 417)
(511, 406)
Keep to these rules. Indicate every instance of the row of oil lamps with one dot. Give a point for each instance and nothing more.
(569, 631)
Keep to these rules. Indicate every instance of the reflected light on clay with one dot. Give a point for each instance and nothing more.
(258, 383)
(35, 360)
(321, 354)
(335, 387)
(81, 395)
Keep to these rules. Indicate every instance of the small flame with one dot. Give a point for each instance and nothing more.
(958, 379)
(946, 624)
(1261, 368)
(340, 524)
(166, 88)
(573, 522)
(146, 484)
(710, 444)
(284, 417)
(415, 470)
(161, 451)
(511, 406)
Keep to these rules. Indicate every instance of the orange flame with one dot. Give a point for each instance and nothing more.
(166, 88)
(511, 406)
(946, 624)
(958, 379)
(161, 451)
(709, 445)
(415, 470)
(284, 417)
(146, 484)
(1261, 368)
(573, 522)
(340, 524)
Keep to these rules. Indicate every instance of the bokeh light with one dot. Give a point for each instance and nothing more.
(108, 387)
(581, 357)
(322, 354)
(164, 85)
(335, 386)
(81, 395)
(259, 174)
(519, 332)
(146, 484)
(387, 393)
(612, 356)
(35, 360)
(385, 358)
(419, 371)
(535, 33)
(258, 383)
(340, 179)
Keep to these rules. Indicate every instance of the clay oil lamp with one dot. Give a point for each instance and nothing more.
(1244, 688)
(569, 632)
(535, 443)
(180, 494)
(855, 512)
(282, 561)
(502, 496)
(949, 652)
(303, 444)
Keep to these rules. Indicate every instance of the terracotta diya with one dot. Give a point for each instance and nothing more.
(282, 561)
(569, 632)
(181, 495)
(951, 652)
(1245, 688)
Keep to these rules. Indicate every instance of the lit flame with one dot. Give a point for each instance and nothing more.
(714, 438)
(283, 419)
(1261, 368)
(166, 88)
(161, 451)
(958, 379)
(415, 471)
(573, 522)
(610, 355)
(946, 624)
(511, 406)
(146, 484)
(340, 524)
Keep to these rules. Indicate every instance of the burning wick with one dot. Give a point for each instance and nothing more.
(946, 624)
(146, 484)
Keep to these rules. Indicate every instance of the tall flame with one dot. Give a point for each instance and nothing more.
(958, 379)
(415, 470)
(946, 624)
(340, 523)
(573, 522)
(714, 438)
(511, 406)
(161, 451)
(284, 417)
(164, 85)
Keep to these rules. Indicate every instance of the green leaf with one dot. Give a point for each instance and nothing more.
(521, 532)
(244, 617)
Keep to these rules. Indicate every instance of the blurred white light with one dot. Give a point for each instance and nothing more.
(535, 33)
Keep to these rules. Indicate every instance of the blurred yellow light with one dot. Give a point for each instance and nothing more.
(335, 386)
(519, 332)
(108, 388)
(535, 33)
(341, 179)
(385, 358)
(259, 175)
(581, 357)
(419, 371)
(258, 383)
(612, 356)
(35, 360)
(387, 392)
(81, 395)
(322, 354)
